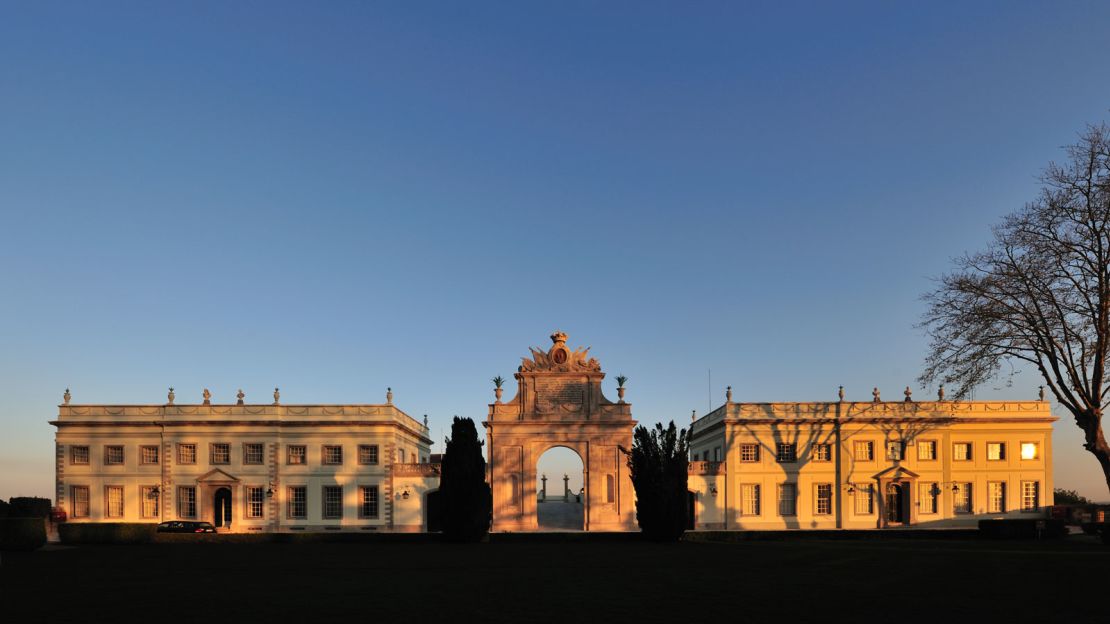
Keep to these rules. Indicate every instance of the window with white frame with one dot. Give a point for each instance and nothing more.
(865, 450)
(1030, 491)
(79, 455)
(822, 452)
(863, 498)
(996, 497)
(749, 499)
(333, 454)
(113, 455)
(824, 499)
(962, 499)
(996, 451)
(297, 503)
(80, 496)
(333, 502)
(113, 501)
(927, 450)
(786, 453)
(961, 451)
(368, 454)
(219, 453)
(368, 501)
(788, 497)
(149, 503)
(186, 453)
(148, 454)
(929, 497)
(894, 450)
(1029, 451)
(187, 501)
(749, 453)
(252, 453)
(255, 498)
(296, 454)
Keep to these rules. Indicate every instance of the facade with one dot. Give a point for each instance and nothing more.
(244, 467)
(870, 465)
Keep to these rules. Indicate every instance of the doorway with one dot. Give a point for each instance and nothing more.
(560, 493)
(221, 507)
(896, 503)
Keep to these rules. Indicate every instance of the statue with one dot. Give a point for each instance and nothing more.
(240, 396)
(277, 397)
(169, 397)
(207, 397)
(66, 397)
(389, 395)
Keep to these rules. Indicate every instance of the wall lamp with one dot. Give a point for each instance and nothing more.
(713, 490)
(405, 494)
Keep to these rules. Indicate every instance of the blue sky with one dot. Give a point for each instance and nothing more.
(338, 198)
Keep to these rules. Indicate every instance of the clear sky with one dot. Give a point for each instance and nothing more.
(336, 198)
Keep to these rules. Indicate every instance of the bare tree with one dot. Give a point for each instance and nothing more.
(1040, 294)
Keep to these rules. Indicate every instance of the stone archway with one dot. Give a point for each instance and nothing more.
(559, 403)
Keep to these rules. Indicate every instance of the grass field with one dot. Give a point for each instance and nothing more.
(758, 581)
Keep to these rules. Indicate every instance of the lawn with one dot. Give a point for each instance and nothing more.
(862, 580)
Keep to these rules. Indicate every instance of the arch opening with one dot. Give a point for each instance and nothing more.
(560, 490)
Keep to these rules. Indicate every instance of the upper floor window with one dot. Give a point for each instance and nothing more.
(295, 455)
(716, 453)
(186, 453)
(1029, 450)
(927, 450)
(79, 455)
(786, 453)
(996, 450)
(113, 455)
(822, 452)
(149, 454)
(368, 454)
(219, 453)
(333, 454)
(865, 450)
(252, 453)
(961, 451)
(894, 450)
(401, 456)
(749, 453)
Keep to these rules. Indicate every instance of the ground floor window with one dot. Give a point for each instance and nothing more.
(996, 497)
(80, 496)
(928, 495)
(113, 501)
(864, 499)
(824, 499)
(254, 497)
(298, 502)
(749, 499)
(333, 502)
(1029, 495)
(150, 501)
(368, 501)
(788, 495)
(962, 499)
(186, 502)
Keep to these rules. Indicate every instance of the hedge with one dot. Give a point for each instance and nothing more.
(22, 533)
(106, 532)
(1023, 528)
(28, 507)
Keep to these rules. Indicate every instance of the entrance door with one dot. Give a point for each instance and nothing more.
(221, 506)
(895, 504)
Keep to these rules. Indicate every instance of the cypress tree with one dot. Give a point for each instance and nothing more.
(467, 503)
(658, 465)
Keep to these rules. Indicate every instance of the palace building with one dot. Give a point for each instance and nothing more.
(826, 465)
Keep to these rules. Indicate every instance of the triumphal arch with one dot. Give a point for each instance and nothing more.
(559, 403)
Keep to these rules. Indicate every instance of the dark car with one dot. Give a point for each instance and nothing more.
(186, 526)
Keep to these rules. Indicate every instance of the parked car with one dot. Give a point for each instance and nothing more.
(186, 526)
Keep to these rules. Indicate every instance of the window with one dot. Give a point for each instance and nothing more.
(298, 502)
(113, 455)
(149, 505)
(79, 455)
(962, 498)
(80, 496)
(996, 497)
(929, 496)
(749, 453)
(749, 499)
(961, 451)
(786, 453)
(927, 450)
(148, 454)
(716, 453)
(788, 494)
(333, 502)
(368, 501)
(894, 450)
(824, 499)
(219, 453)
(113, 501)
(252, 453)
(865, 450)
(1029, 450)
(255, 497)
(186, 453)
(1029, 495)
(333, 455)
(187, 501)
(996, 451)
(401, 456)
(368, 454)
(863, 496)
(822, 453)
(295, 454)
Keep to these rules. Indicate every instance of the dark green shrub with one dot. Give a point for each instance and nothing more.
(658, 465)
(22, 533)
(29, 507)
(106, 532)
(4, 509)
(467, 503)
(1022, 528)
